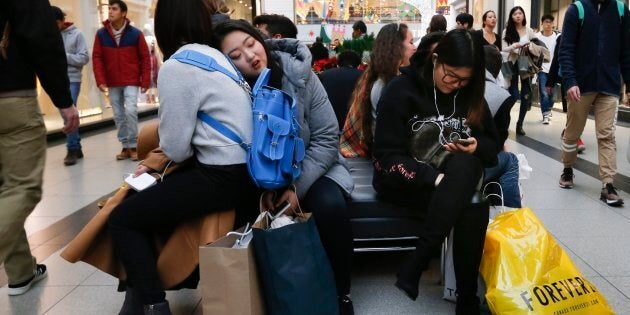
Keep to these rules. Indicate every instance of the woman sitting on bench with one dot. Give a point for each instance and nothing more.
(324, 180)
(440, 99)
(216, 179)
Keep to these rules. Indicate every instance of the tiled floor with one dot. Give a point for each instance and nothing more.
(594, 235)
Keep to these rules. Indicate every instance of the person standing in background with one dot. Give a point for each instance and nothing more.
(77, 56)
(122, 64)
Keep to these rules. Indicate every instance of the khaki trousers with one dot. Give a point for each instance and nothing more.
(605, 109)
(22, 157)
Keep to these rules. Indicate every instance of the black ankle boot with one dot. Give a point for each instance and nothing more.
(520, 131)
(467, 306)
(157, 309)
(345, 305)
(409, 274)
(133, 303)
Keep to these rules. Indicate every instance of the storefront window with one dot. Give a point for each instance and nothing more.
(349, 11)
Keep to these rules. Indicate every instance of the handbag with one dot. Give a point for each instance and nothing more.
(276, 152)
(426, 146)
(507, 68)
(295, 274)
(523, 63)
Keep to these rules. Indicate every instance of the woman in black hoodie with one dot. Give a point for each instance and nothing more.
(445, 90)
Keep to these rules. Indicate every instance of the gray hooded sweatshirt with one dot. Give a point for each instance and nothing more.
(316, 117)
(184, 90)
(77, 53)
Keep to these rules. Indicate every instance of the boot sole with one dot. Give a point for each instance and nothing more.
(612, 203)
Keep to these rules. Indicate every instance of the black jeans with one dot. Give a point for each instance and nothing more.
(326, 201)
(186, 194)
(448, 207)
(525, 95)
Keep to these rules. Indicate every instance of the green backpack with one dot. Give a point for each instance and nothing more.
(580, 7)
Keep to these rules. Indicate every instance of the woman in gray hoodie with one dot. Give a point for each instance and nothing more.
(215, 177)
(324, 181)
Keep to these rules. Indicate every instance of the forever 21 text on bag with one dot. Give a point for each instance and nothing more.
(276, 151)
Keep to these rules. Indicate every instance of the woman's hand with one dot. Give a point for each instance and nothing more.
(140, 170)
(469, 147)
(270, 202)
(291, 197)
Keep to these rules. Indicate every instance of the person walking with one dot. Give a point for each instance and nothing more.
(516, 38)
(594, 56)
(26, 50)
(122, 64)
(548, 37)
(77, 56)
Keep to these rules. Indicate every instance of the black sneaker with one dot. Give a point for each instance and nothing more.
(345, 306)
(610, 197)
(566, 179)
(38, 274)
(520, 131)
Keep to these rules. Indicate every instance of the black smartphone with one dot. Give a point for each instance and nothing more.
(464, 142)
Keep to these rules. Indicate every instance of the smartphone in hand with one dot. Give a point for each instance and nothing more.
(464, 142)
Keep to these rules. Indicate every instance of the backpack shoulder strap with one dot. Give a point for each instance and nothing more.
(620, 9)
(205, 62)
(580, 7)
(222, 129)
(263, 79)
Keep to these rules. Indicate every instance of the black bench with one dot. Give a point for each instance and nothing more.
(378, 225)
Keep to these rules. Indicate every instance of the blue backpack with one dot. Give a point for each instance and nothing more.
(276, 151)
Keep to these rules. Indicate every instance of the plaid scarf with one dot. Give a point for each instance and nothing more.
(352, 144)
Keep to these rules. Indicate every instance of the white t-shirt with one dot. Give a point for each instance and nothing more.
(550, 42)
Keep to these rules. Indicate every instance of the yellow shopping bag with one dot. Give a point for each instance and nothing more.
(527, 272)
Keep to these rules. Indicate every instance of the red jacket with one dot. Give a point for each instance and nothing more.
(123, 64)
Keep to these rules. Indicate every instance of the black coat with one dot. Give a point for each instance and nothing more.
(35, 48)
(339, 84)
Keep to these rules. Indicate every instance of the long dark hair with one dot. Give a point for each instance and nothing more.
(180, 22)
(461, 48)
(484, 16)
(511, 34)
(437, 24)
(223, 29)
(387, 54)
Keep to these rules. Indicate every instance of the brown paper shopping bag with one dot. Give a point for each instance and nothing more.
(229, 279)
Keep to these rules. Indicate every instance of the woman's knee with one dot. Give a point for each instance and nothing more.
(464, 163)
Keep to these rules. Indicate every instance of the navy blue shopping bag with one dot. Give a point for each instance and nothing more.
(295, 274)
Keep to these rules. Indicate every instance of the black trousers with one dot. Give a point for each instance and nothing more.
(187, 194)
(326, 201)
(448, 207)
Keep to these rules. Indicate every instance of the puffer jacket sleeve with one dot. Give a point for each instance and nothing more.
(322, 151)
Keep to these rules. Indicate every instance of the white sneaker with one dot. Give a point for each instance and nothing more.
(21, 288)
(545, 120)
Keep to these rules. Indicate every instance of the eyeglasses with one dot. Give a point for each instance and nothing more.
(452, 78)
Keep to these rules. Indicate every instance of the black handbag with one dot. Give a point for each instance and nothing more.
(426, 146)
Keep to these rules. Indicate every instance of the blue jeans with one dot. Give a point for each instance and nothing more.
(73, 140)
(525, 95)
(506, 174)
(546, 100)
(124, 100)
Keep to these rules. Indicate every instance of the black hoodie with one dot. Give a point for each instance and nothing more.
(407, 100)
(35, 48)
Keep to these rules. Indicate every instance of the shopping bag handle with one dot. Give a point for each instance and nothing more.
(500, 196)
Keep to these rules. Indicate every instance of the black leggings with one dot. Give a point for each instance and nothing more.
(326, 201)
(186, 194)
(447, 207)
